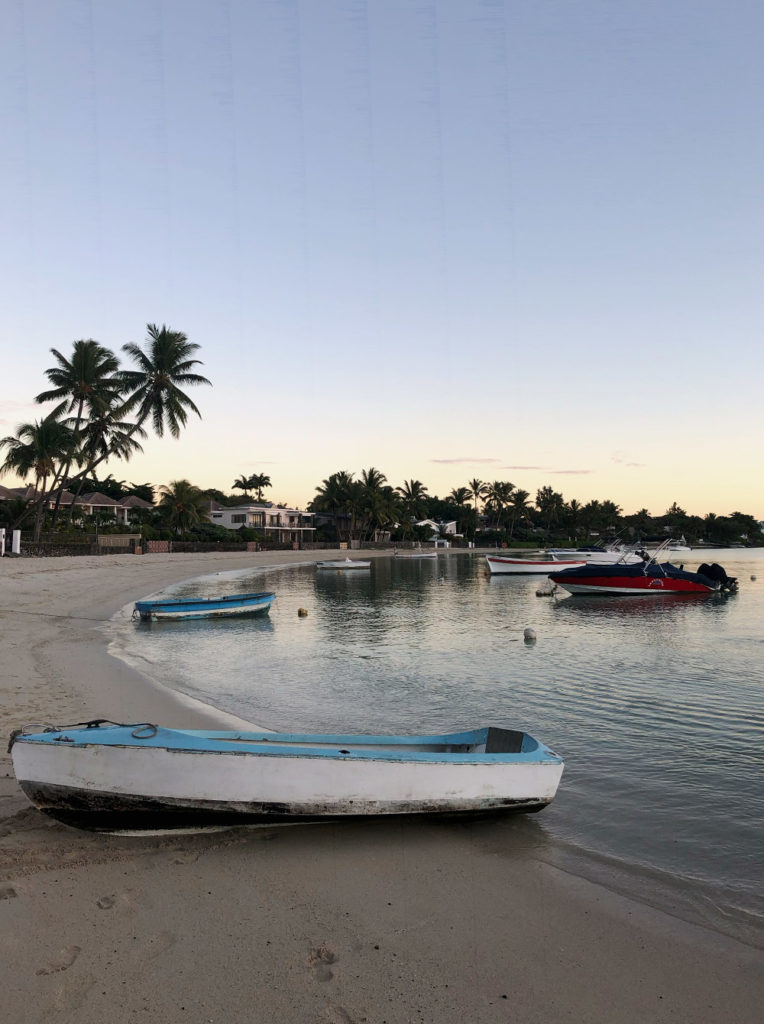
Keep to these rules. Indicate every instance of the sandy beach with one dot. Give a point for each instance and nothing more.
(380, 922)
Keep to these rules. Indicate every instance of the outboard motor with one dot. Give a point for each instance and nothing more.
(716, 573)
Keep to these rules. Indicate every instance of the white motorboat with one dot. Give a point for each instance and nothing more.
(416, 553)
(502, 565)
(344, 563)
(606, 554)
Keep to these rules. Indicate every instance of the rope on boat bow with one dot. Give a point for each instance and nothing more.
(140, 730)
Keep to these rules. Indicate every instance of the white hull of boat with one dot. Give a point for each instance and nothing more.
(597, 557)
(214, 614)
(344, 563)
(415, 554)
(114, 787)
(528, 566)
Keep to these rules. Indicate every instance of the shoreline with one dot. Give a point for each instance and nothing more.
(379, 921)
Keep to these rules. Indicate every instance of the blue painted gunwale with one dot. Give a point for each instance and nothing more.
(267, 744)
(191, 604)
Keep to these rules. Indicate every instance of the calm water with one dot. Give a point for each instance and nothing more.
(655, 703)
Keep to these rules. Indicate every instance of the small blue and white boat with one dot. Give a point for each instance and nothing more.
(205, 607)
(116, 778)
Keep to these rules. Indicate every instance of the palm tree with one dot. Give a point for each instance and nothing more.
(104, 435)
(498, 495)
(154, 389)
(382, 508)
(460, 495)
(477, 491)
(42, 448)
(414, 498)
(184, 504)
(242, 483)
(258, 482)
(572, 514)
(519, 508)
(84, 383)
(87, 380)
(372, 478)
(334, 495)
(155, 385)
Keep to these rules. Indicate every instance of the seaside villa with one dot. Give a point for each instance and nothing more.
(284, 525)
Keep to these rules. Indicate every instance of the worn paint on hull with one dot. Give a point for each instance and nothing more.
(94, 775)
(119, 812)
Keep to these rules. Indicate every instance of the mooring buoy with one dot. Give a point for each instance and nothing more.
(302, 612)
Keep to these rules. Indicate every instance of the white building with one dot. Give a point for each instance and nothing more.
(284, 525)
(438, 529)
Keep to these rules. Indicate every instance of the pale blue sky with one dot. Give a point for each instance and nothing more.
(512, 239)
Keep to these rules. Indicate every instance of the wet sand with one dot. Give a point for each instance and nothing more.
(396, 922)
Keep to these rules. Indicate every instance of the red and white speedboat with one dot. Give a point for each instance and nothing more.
(500, 564)
(650, 577)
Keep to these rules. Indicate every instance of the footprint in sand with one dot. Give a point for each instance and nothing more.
(319, 960)
(105, 903)
(7, 892)
(61, 963)
(338, 1015)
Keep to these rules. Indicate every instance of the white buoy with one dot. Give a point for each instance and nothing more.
(529, 635)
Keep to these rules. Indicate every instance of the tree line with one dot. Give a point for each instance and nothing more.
(102, 411)
(500, 512)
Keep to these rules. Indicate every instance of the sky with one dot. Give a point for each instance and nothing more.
(516, 240)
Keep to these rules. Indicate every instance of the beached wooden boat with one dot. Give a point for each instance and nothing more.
(416, 553)
(343, 563)
(204, 607)
(111, 777)
(501, 565)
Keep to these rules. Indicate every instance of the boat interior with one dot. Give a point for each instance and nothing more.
(486, 741)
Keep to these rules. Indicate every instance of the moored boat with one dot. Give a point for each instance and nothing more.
(651, 577)
(343, 563)
(416, 553)
(204, 607)
(111, 777)
(666, 545)
(598, 554)
(501, 565)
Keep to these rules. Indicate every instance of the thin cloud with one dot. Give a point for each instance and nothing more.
(620, 459)
(546, 469)
(456, 462)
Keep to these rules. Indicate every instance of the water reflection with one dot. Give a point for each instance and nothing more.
(656, 703)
